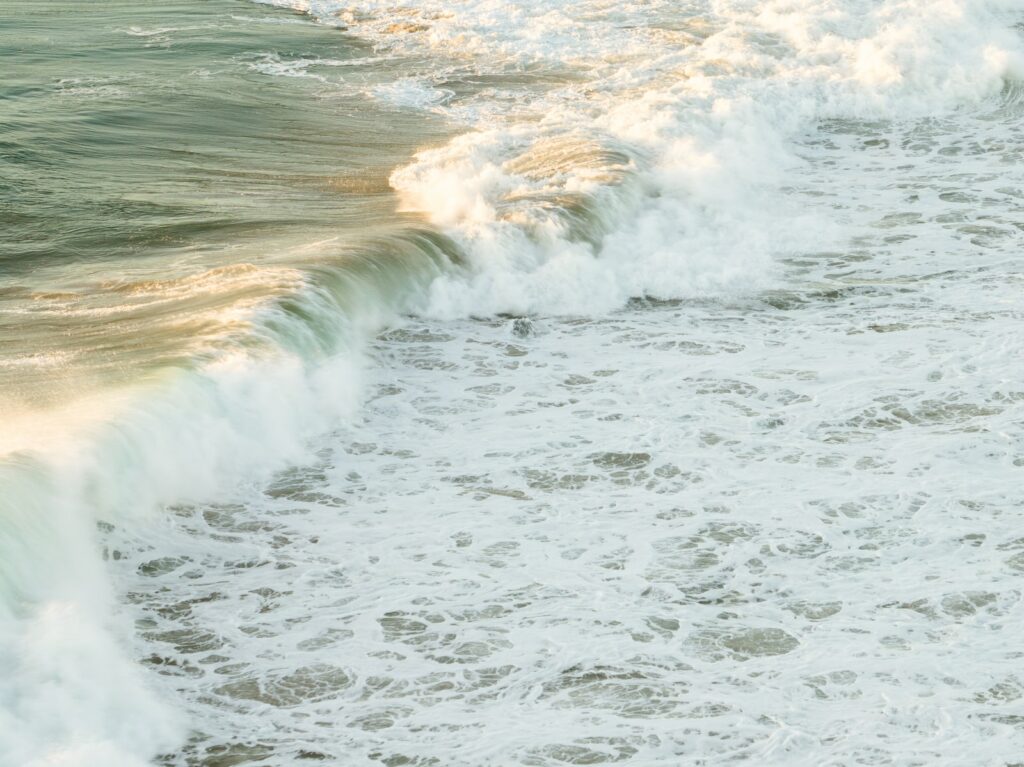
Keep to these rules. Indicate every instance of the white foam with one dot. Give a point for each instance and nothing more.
(412, 92)
(703, 100)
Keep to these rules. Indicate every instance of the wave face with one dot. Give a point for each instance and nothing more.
(227, 206)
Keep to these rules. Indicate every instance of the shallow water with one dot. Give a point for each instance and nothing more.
(546, 383)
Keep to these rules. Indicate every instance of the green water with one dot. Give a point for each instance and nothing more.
(143, 145)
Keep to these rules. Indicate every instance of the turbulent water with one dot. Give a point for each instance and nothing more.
(534, 383)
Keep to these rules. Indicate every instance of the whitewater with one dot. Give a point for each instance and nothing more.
(531, 383)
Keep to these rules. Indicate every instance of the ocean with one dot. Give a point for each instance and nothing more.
(547, 382)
